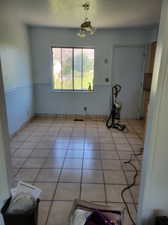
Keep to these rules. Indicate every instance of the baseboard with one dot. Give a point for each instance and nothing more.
(60, 116)
(22, 127)
(71, 116)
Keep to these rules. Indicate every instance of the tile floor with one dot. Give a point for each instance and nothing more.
(69, 160)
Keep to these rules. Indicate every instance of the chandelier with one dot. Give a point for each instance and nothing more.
(86, 27)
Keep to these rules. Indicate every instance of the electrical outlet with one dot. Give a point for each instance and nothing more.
(106, 79)
(85, 108)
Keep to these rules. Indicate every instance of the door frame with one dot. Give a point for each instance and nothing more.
(144, 46)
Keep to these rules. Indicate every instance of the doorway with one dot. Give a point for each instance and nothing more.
(128, 71)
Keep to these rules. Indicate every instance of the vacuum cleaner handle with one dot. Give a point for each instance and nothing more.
(116, 89)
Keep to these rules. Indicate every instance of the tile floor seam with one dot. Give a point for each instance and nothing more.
(124, 172)
(28, 158)
(134, 172)
(58, 181)
(100, 140)
(104, 183)
(81, 180)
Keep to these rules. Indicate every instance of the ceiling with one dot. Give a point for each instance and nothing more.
(69, 13)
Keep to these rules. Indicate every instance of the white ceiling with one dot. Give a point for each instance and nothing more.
(69, 13)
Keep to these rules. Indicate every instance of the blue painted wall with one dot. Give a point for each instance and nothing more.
(19, 107)
(50, 102)
(98, 102)
(16, 70)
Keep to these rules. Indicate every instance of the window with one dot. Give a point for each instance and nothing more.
(73, 69)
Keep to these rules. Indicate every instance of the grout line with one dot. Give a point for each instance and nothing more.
(86, 129)
(104, 183)
(124, 172)
(80, 192)
(54, 193)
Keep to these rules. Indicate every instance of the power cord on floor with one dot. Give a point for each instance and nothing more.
(131, 185)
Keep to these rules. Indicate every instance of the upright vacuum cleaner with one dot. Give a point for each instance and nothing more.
(113, 120)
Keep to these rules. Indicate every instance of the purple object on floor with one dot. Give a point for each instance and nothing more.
(97, 218)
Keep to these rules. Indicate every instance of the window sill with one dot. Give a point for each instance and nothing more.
(69, 91)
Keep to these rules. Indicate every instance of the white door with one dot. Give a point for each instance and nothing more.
(128, 70)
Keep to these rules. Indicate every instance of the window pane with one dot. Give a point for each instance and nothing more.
(57, 68)
(73, 68)
(67, 68)
(77, 69)
(88, 69)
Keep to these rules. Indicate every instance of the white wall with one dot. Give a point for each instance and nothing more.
(98, 102)
(154, 185)
(14, 55)
(4, 149)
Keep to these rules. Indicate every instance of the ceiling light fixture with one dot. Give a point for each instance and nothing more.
(86, 27)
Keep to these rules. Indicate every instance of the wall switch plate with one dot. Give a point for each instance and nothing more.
(106, 61)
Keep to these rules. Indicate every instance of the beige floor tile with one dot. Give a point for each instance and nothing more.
(137, 147)
(135, 140)
(76, 145)
(59, 213)
(135, 193)
(74, 154)
(53, 163)
(34, 138)
(67, 191)
(27, 175)
(109, 155)
(114, 177)
(92, 164)
(29, 145)
(108, 147)
(33, 163)
(92, 155)
(92, 176)
(45, 145)
(123, 147)
(114, 193)
(117, 206)
(18, 162)
(39, 153)
(133, 212)
(91, 146)
(14, 172)
(73, 164)
(54, 140)
(20, 137)
(12, 150)
(43, 212)
(128, 167)
(16, 144)
(124, 154)
(109, 164)
(70, 175)
(130, 175)
(93, 192)
(47, 190)
(59, 153)
(20, 153)
(120, 140)
(117, 135)
(106, 140)
(48, 175)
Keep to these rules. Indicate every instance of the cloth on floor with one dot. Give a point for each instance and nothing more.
(98, 218)
(88, 213)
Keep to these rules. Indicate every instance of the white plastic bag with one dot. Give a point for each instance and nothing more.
(23, 187)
